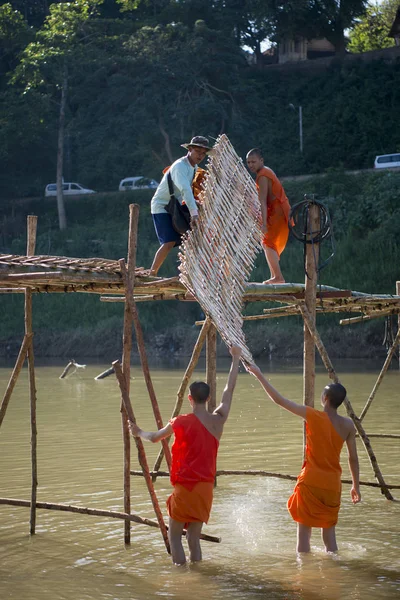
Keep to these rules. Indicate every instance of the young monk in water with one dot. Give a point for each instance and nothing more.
(275, 209)
(194, 462)
(315, 501)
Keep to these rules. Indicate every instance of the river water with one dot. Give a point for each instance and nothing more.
(79, 557)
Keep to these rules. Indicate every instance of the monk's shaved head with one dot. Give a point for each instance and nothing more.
(200, 391)
(255, 152)
(335, 393)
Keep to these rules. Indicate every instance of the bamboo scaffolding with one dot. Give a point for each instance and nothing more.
(261, 473)
(332, 374)
(184, 383)
(98, 513)
(385, 367)
(141, 452)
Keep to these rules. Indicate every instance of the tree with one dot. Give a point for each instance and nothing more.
(47, 64)
(15, 34)
(371, 31)
(319, 18)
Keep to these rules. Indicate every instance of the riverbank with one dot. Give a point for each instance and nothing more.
(266, 340)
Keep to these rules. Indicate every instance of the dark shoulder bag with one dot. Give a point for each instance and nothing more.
(180, 215)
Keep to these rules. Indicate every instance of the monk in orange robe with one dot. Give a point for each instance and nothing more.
(275, 209)
(315, 501)
(194, 462)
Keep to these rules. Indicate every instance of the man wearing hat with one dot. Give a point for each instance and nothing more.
(182, 173)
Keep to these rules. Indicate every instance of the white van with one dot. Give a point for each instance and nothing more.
(387, 161)
(137, 183)
(69, 189)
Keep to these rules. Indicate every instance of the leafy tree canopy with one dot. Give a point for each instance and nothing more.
(371, 31)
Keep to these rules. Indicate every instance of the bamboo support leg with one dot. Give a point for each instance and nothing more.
(310, 296)
(145, 366)
(126, 356)
(184, 383)
(211, 360)
(26, 342)
(332, 374)
(30, 251)
(141, 452)
(381, 374)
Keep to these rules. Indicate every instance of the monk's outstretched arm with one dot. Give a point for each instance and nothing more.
(275, 396)
(150, 436)
(354, 466)
(226, 401)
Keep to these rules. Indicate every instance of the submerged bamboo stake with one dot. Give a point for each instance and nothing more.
(105, 374)
(72, 363)
(30, 251)
(14, 375)
(385, 367)
(96, 512)
(184, 383)
(332, 374)
(141, 451)
(211, 368)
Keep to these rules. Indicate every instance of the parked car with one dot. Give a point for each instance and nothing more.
(386, 161)
(137, 183)
(69, 189)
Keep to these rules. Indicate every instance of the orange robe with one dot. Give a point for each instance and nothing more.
(193, 469)
(315, 501)
(278, 209)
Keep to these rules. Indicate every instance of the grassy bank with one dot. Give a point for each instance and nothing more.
(365, 211)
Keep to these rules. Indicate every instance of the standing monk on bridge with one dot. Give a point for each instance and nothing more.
(275, 209)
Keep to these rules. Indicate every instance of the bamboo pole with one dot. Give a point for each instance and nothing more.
(260, 473)
(30, 251)
(105, 374)
(96, 512)
(184, 383)
(129, 282)
(14, 375)
(145, 368)
(370, 316)
(141, 452)
(385, 367)
(332, 375)
(310, 295)
(211, 366)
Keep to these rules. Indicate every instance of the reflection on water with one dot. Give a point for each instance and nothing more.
(79, 557)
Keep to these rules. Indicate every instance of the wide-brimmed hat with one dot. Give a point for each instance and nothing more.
(200, 141)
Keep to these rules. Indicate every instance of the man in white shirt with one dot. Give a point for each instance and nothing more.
(182, 173)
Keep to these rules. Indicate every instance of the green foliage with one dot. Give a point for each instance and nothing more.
(371, 32)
